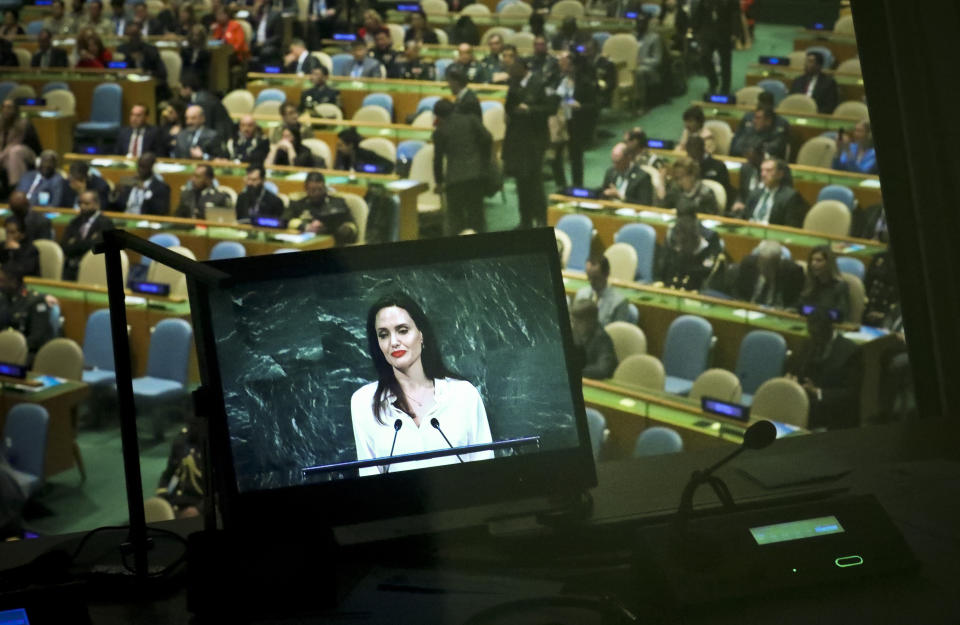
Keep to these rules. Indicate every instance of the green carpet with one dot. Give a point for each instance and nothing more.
(101, 500)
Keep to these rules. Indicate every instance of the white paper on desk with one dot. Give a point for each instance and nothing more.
(415, 597)
(103, 162)
(710, 223)
(134, 300)
(590, 206)
(299, 176)
(626, 212)
(870, 183)
(169, 168)
(653, 215)
(866, 333)
(294, 238)
(750, 315)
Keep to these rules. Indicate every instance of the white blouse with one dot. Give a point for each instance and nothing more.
(457, 406)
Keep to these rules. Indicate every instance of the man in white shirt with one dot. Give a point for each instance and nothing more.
(611, 305)
(299, 60)
(814, 83)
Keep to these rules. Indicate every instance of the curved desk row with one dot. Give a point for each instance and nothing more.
(850, 86)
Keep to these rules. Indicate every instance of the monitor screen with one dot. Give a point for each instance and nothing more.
(313, 356)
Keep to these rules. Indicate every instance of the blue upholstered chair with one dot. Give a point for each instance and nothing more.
(6, 87)
(656, 441)
(54, 85)
(340, 63)
(774, 87)
(762, 356)
(426, 104)
(643, 238)
(383, 100)
(106, 114)
(166, 381)
(828, 59)
(601, 38)
(441, 66)
(597, 425)
(98, 349)
(227, 249)
(33, 28)
(270, 95)
(686, 352)
(26, 434)
(486, 105)
(853, 266)
(839, 193)
(580, 230)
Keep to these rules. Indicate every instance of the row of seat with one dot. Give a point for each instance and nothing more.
(652, 441)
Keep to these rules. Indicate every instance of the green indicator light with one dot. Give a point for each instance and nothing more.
(794, 570)
(846, 561)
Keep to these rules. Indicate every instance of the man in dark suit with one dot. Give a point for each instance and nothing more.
(351, 157)
(82, 233)
(816, 84)
(473, 69)
(764, 132)
(383, 52)
(829, 366)
(766, 278)
(249, 146)
(142, 55)
(267, 33)
(412, 66)
(80, 179)
(196, 140)
(200, 193)
(626, 180)
(362, 66)
(46, 55)
(463, 142)
(215, 115)
(323, 18)
(715, 23)
(773, 202)
(323, 214)
(149, 27)
(33, 224)
(299, 60)
(138, 137)
(18, 255)
(527, 109)
(320, 92)
(256, 200)
(465, 100)
(146, 194)
(543, 63)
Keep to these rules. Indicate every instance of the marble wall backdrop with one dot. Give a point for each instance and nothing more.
(292, 353)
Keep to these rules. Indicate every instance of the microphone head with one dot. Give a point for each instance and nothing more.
(759, 435)
(397, 425)
(435, 423)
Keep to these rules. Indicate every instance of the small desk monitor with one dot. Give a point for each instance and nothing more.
(286, 352)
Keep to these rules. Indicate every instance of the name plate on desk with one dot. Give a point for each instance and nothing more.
(150, 288)
(760, 551)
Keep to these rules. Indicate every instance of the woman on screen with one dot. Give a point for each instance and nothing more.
(415, 392)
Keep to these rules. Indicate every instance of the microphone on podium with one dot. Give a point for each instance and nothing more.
(396, 430)
(436, 423)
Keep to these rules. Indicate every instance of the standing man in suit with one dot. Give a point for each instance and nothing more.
(774, 202)
(716, 23)
(196, 140)
(814, 83)
(267, 45)
(320, 92)
(249, 146)
(299, 60)
(138, 137)
(215, 115)
(465, 100)
(146, 194)
(46, 55)
(322, 20)
(82, 233)
(256, 200)
(33, 224)
(200, 193)
(527, 109)
(362, 66)
(463, 142)
(626, 180)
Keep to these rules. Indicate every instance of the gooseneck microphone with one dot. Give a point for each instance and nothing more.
(435, 423)
(396, 430)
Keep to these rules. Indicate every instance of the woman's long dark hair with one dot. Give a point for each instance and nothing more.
(433, 365)
(810, 282)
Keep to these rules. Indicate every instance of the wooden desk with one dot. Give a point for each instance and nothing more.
(406, 94)
(54, 130)
(850, 86)
(289, 180)
(842, 46)
(137, 88)
(59, 400)
(802, 127)
(807, 180)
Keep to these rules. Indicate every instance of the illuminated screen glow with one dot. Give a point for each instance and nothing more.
(796, 530)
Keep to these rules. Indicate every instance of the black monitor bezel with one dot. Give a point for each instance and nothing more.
(547, 473)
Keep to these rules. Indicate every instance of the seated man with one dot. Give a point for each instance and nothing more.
(362, 66)
(215, 115)
(686, 192)
(319, 93)
(383, 52)
(299, 60)
(625, 180)
(323, 214)
(47, 55)
(492, 63)
(290, 117)
(79, 179)
(139, 136)
(196, 140)
(149, 26)
(145, 57)
(82, 233)
(146, 194)
(412, 66)
(44, 186)
(201, 192)
(611, 304)
(762, 132)
(766, 278)
(472, 69)
(691, 255)
(595, 354)
(25, 311)
(780, 123)
(249, 146)
(774, 202)
(256, 200)
(351, 157)
(829, 366)
(18, 256)
(814, 83)
(33, 224)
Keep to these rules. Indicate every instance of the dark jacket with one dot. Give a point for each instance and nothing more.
(156, 198)
(465, 144)
(743, 280)
(35, 226)
(215, 114)
(23, 261)
(258, 202)
(309, 63)
(57, 58)
(416, 70)
(145, 57)
(150, 141)
(692, 272)
(583, 119)
(788, 208)
(701, 200)
(333, 212)
(318, 95)
(825, 91)
(597, 356)
(832, 295)
(773, 141)
(468, 104)
(210, 141)
(75, 242)
(716, 20)
(639, 185)
(252, 151)
(195, 62)
(27, 312)
(838, 374)
(94, 183)
(194, 205)
(527, 134)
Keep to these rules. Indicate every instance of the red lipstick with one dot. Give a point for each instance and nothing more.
(398, 353)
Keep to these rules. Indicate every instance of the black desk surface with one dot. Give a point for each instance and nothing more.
(913, 470)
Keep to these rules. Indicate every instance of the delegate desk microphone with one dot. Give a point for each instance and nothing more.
(396, 430)
(435, 423)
